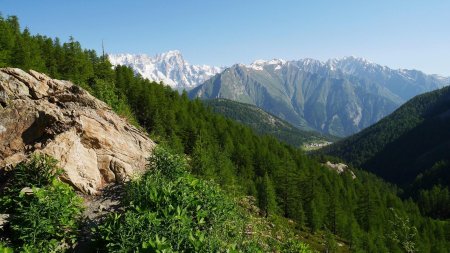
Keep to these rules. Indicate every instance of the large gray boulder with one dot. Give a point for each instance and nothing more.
(93, 145)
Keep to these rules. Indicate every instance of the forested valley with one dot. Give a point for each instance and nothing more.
(365, 212)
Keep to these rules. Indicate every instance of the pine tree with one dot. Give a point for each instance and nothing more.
(312, 216)
(332, 214)
(7, 40)
(365, 212)
(266, 195)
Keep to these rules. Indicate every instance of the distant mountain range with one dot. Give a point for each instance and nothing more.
(338, 97)
(169, 67)
(265, 123)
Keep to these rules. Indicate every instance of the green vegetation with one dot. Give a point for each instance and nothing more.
(435, 202)
(409, 148)
(265, 123)
(168, 210)
(45, 212)
(284, 181)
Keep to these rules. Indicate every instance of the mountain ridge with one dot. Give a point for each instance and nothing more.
(404, 144)
(170, 67)
(314, 204)
(265, 123)
(338, 97)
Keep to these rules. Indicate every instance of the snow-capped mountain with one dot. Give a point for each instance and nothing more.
(404, 83)
(338, 96)
(169, 67)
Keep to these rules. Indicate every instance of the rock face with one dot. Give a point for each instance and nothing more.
(93, 145)
(339, 168)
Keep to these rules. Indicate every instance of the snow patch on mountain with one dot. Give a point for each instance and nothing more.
(354, 66)
(260, 64)
(169, 68)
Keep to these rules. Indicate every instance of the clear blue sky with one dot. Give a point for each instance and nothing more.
(396, 33)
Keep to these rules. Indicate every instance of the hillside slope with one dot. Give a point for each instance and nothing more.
(282, 179)
(406, 144)
(265, 123)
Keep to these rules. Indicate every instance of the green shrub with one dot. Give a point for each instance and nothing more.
(46, 219)
(169, 210)
(4, 248)
(167, 164)
(293, 245)
(39, 171)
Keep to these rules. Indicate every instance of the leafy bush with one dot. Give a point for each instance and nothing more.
(5, 249)
(168, 210)
(47, 218)
(166, 164)
(402, 232)
(39, 171)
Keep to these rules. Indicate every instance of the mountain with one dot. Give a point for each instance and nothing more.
(169, 68)
(410, 147)
(402, 82)
(265, 123)
(338, 97)
(183, 202)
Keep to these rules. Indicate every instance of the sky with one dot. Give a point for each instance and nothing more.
(411, 34)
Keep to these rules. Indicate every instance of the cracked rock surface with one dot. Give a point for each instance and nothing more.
(93, 145)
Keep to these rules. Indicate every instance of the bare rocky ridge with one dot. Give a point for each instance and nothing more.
(93, 145)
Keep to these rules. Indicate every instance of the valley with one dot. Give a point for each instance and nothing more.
(128, 152)
(338, 97)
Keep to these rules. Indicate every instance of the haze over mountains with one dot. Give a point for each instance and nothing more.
(338, 97)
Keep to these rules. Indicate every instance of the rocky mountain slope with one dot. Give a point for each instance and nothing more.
(40, 114)
(339, 97)
(265, 123)
(169, 67)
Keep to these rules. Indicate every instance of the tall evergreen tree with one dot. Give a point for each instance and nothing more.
(266, 195)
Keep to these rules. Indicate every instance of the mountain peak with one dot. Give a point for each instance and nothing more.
(351, 92)
(170, 54)
(168, 67)
(260, 64)
(174, 52)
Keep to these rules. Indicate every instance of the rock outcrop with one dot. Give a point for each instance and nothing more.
(93, 145)
(339, 168)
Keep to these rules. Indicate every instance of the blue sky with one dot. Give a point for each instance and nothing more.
(396, 33)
